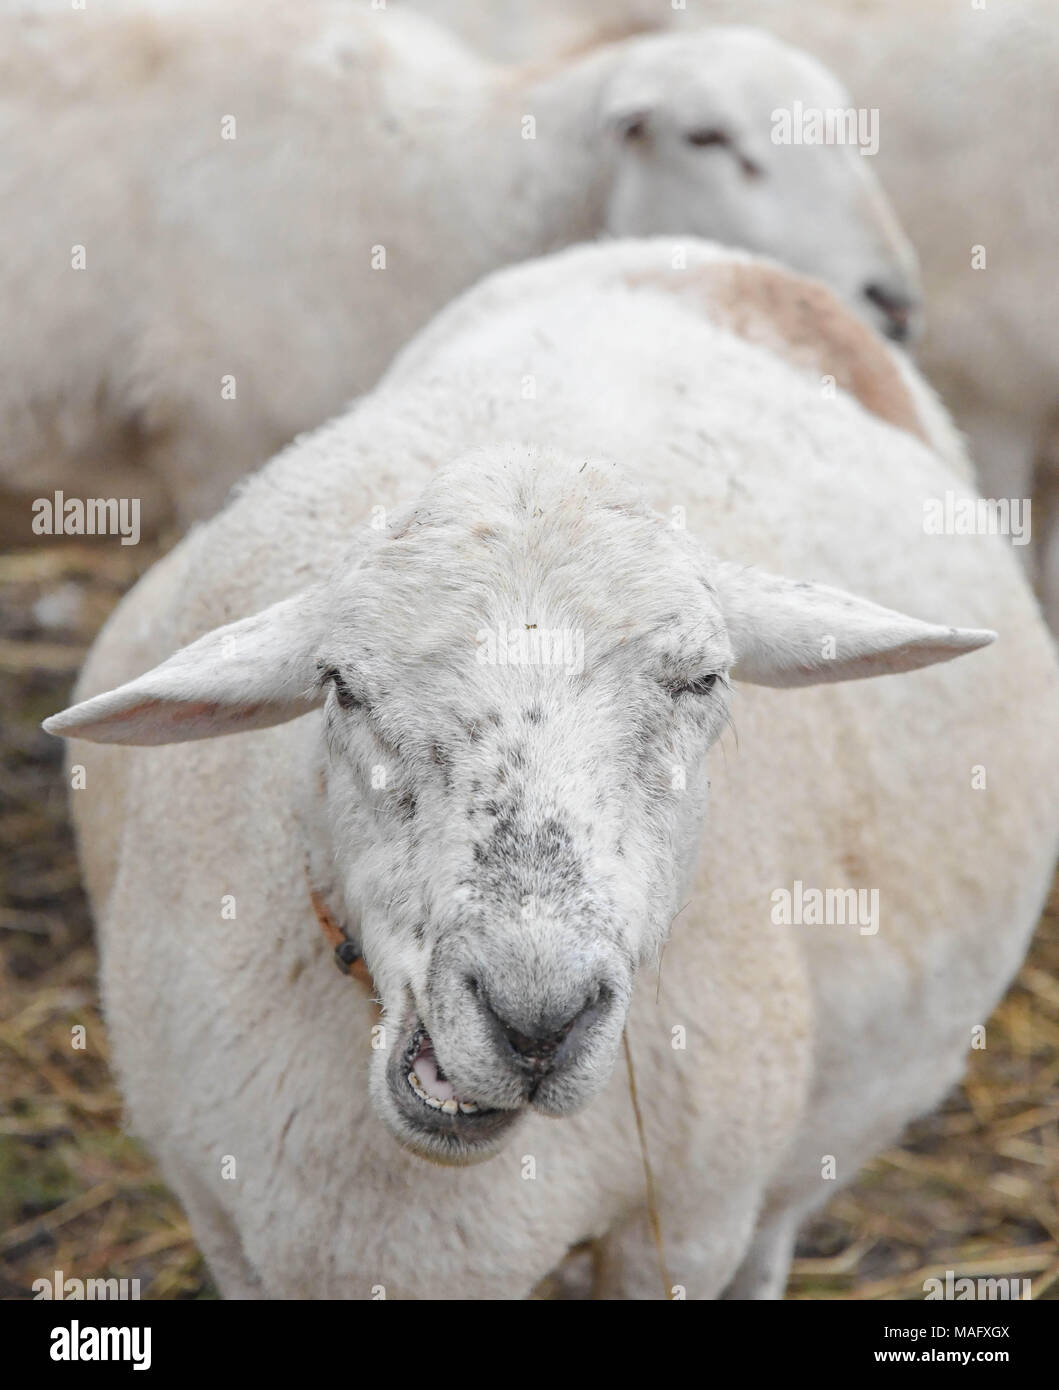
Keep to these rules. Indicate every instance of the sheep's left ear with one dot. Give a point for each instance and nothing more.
(246, 675)
(786, 633)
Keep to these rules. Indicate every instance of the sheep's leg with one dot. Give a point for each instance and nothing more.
(766, 1265)
(574, 1278)
(701, 1254)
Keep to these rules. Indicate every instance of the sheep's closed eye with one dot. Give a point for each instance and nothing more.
(701, 685)
(707, 136)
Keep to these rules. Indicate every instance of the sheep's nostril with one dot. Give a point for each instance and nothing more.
(898, 307)
(541, 1047)
(538, 1049)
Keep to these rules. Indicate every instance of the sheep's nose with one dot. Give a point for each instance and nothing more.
(897, 308)
(542, 1045)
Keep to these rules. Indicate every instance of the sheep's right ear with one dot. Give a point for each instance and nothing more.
(785, 633)
(246, 675)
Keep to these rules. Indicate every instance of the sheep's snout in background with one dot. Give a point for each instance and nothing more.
(899, 312)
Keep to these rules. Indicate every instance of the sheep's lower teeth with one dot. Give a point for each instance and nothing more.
(449, 1107)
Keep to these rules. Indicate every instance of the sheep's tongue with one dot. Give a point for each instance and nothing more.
(430, 1077)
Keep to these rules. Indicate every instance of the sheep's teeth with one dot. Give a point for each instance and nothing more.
(450, 1107)
(417, 1086)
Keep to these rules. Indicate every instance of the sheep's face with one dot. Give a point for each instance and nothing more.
(524, 677)
(727, 135)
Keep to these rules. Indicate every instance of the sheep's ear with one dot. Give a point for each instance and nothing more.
(785, 633)
(246, 675)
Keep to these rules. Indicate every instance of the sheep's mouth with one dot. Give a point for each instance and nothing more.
(426, 1079)
(433, 1119)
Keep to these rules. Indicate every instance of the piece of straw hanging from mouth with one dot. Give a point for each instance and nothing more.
(649, 1182)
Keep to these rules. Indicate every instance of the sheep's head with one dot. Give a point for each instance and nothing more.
(516, 686)
(733, 135)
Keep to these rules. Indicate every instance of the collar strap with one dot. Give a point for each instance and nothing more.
(347, 957)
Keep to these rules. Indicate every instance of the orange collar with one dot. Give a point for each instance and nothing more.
(347, 957)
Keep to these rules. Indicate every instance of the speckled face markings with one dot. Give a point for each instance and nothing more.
(441, 759)
(547, 849)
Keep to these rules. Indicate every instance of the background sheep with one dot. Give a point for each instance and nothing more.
(270, 198)
(852, 1033)
(965, 95)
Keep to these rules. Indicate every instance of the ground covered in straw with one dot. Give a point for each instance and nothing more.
(974, 1188)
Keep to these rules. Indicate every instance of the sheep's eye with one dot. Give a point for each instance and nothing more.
(709, 135)
(701, 685)
(634, 128)
(343, 694)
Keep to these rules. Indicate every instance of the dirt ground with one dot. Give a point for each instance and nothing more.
(974, 1188)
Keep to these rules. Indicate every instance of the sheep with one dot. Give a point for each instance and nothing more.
(237, 214)
(481, 637)
(965, 100)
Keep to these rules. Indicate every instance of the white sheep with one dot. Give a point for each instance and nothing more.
(222, 221)
(966, 101)
(965, 96)
(486, 627)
